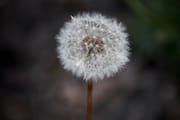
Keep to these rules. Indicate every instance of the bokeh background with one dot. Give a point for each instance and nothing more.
(34, 86)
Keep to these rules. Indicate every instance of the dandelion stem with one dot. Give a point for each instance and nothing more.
(89, 99)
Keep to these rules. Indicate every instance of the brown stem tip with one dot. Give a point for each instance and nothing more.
(89, 99)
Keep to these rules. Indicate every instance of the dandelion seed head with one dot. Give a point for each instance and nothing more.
(93, 46)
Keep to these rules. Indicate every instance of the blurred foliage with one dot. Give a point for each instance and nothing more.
(156, 27)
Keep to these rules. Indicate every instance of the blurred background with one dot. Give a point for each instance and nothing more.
(34, 85)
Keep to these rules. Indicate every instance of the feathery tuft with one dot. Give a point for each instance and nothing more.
(93, 46)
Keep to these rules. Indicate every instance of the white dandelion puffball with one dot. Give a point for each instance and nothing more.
(93, 46)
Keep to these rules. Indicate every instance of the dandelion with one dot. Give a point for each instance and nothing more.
(93, 46)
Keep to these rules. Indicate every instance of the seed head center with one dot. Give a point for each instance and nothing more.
(92, 45)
